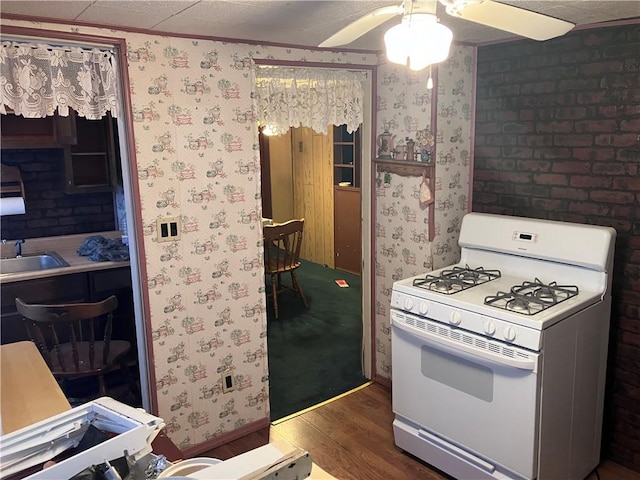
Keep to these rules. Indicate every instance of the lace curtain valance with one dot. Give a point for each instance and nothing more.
(309, 97)
(37, 79)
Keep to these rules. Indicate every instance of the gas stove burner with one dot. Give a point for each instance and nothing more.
(546, 294)
(469, 276)
(518, 305)
(474, 276)
(551, 293)
(444, 286)
(456, 279)
(530, 298)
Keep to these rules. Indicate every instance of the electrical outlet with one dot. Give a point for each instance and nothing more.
(228, 382)
(168, 229)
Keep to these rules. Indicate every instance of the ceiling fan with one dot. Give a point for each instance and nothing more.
(511, 19)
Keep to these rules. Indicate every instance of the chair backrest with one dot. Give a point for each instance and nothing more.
(282, 243)
(82, 326)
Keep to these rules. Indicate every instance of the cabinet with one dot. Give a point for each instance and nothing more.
(67, 288)
(346, 157)
(346, 198)
(90, 146)
(116, 281)
(17, 131)
(91, 162)
(348, 230)
(77, 287)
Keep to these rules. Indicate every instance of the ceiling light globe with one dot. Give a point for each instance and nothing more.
(418, 41)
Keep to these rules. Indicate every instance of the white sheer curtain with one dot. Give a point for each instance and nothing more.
(309, 97)
(37, 79)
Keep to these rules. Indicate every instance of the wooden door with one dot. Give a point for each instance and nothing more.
(348, 230)
(265, 173)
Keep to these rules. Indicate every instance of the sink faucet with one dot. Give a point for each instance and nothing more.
(19, 247)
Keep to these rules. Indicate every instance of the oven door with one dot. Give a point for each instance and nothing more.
(471, 397)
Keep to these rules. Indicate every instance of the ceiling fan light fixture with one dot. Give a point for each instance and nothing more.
(418, 41)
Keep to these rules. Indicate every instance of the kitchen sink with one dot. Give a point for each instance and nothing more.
(31, 263)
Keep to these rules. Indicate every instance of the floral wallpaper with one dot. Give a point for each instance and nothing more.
(198, 160)
(404, 109)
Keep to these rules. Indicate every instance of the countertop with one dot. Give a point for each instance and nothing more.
(29, 391)
(65, 246)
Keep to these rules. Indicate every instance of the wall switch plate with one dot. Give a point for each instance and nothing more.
(228, 382)
(168, 229)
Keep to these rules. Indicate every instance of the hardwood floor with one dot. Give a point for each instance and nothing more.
(351, 438)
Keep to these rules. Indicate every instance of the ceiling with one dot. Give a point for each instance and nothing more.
(292, 22)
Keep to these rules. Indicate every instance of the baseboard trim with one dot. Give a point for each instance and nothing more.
(225, 438)
(385, 382)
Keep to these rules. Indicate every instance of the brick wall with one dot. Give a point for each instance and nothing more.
(49, 210)
(558, 137)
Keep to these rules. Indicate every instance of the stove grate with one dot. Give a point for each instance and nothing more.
(456, 279)
(531, 298)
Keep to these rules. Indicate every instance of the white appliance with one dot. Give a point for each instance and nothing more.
(133, 429)
(131, 433)
(499, 361)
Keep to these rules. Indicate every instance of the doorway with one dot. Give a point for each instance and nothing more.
(367, 100)
(316, 177)
(127, 286)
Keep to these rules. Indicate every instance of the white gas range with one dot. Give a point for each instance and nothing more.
(499, 361)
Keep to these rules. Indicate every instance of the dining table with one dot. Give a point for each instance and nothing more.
(28, 391)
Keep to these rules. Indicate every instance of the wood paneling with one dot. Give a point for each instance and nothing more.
(351, 438)
(281, 176)
(313, 192)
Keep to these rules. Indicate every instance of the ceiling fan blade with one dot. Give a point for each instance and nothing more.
(361, 26)
(536, 26)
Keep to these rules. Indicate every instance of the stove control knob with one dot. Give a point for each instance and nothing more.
(424, 308)
(509, 334)
(455, 318)
(489, 327)
(408, 304)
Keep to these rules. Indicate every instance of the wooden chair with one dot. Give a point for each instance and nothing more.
(75, 339)
(282, 243)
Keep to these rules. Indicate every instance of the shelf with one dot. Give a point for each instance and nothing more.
(90, 163)
(346, 156)
(404, 168)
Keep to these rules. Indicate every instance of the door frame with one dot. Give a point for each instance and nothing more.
(130, 187)
(366, 190)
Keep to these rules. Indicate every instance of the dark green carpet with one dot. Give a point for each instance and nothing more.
(314, 354)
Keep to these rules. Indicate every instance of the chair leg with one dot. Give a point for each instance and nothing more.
(133, 385)
(274, 288)
(298, 288)
(102, 386)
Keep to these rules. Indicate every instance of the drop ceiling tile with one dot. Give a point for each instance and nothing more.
(132, 13)
(65, 10)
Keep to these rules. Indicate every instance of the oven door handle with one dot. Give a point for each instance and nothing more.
(477, 352)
